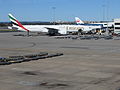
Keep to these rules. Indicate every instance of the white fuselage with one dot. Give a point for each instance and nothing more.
(62, 29)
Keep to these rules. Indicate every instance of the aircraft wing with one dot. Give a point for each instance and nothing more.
(51, 28)
(52, 31)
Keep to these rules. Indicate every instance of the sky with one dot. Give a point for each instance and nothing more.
(63, 10)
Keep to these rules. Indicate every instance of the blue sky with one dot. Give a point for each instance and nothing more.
(65, 10)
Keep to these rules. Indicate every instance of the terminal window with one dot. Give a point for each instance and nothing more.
(117, 23)
(117, 27)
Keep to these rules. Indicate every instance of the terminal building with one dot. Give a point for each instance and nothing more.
(117, 26)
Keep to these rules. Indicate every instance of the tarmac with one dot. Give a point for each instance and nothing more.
(85, 65)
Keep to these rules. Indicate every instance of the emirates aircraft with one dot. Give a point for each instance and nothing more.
(52, 29)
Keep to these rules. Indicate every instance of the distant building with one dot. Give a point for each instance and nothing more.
(3, 27)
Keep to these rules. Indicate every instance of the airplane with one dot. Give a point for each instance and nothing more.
(50, 29)
(80, 22)
(93, 27)
(103, 24)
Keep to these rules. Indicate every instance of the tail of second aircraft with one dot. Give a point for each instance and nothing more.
(78, 21)
(16, 22)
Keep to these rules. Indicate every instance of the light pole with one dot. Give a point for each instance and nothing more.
(103, 12)
(53, 14)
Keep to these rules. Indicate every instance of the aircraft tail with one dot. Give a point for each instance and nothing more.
(16, 22)
(78, 21)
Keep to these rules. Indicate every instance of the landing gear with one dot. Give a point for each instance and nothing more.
(28, 33)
